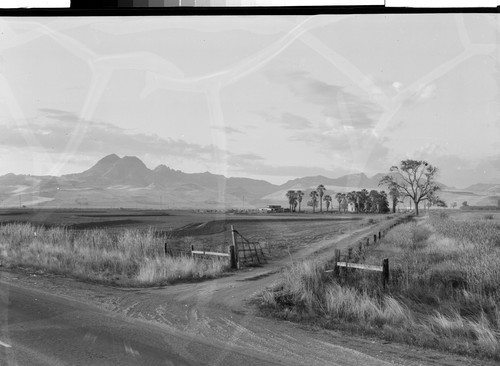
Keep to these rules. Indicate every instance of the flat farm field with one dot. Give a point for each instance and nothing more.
(279, 234)
(79, 219)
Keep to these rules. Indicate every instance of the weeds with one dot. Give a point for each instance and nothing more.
(443, 290)
(131, 257)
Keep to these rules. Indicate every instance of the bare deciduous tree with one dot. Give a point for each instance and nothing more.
(414, 179)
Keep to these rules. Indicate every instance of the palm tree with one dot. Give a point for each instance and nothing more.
(299, 195)
(328, 200)
(344, 201)
(338, 197)
(314, 199)
(321, 190)
(291, 198)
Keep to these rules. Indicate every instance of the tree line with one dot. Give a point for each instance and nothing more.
(413, 179)
(363, 201)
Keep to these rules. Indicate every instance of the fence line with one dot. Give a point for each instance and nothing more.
(368, 267)
(360, 247)
(202, 252)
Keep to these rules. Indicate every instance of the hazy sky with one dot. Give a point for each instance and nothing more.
(272, 98)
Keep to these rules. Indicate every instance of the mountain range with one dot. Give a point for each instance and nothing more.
(127, 182)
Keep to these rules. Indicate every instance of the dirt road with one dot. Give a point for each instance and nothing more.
(219, 312)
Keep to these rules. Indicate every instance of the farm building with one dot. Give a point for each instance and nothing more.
(351, 207)
(271, 208)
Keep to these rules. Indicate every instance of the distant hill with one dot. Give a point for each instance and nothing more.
(128, 182)
(484, 188)
(351, 180)
(114, 170)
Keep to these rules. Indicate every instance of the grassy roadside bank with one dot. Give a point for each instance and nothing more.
(443, 291)
(129, 258)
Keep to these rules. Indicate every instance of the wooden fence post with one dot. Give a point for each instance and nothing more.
(235, 244)
(166, 250)
(385, 271)
(349, 257)
(379, 235)
(336, 268)
(375, 238)
(367, 241)
(192, 250)
(232, 257)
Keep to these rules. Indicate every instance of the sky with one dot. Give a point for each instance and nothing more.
(264, 97)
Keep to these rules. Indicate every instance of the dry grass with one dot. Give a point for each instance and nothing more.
(443, 291)
(346, 303)
(131, 257)
(154, 270)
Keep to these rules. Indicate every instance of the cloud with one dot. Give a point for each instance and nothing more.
(397, 85)
(259, 168)
(351, 109)
(289, 121)
(294, 122)
(228, 130)
(425, 91)
(60, 115)
(250, 156)
(243, 160)
(419, 93)
(53, 132)
(361, 150)
(458, 171)
(341, 139)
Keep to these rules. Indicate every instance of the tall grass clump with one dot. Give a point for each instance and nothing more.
(130, 257)
(306, 290)
(300, 285)
(478, 243)
(174, 268)
(343, 302)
